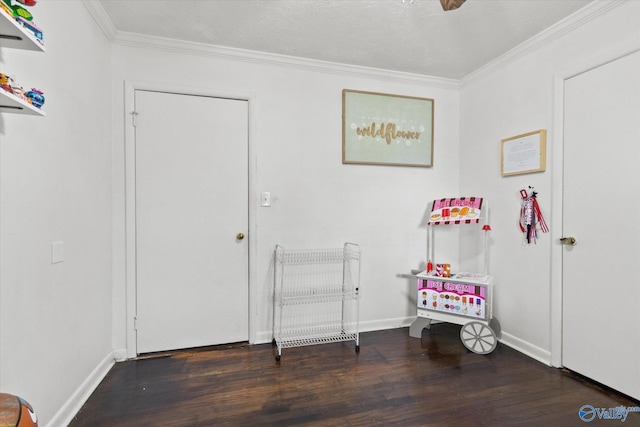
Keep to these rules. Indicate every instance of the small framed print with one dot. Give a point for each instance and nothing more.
(526, 153)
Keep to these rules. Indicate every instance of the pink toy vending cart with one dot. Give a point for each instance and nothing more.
(462, 298)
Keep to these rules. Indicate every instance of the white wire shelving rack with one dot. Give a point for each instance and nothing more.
(316, 296)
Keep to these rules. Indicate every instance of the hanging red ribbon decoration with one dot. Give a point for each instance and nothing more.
(531, 216)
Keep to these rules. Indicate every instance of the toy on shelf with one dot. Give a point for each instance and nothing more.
(22, 16)
(36, 97)
(21, 11)
(9, 84)
(5, 82)
(18, 91)
(29, 25)
(4, 7)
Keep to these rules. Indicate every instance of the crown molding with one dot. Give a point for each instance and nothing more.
(277, 60)
(559, 29)
(102, 18)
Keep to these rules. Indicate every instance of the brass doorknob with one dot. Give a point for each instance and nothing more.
(568, 241)
(240, 236)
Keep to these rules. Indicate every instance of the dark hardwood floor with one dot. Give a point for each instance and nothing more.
(394, 380)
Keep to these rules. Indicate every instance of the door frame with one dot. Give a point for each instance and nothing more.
(130, 88)
(557, 183)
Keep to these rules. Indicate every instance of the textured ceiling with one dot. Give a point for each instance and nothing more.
(415, 37)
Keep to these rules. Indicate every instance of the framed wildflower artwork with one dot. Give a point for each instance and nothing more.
(384, 129)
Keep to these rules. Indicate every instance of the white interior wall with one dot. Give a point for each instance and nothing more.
(317, 201)
(55, 185)
(510, 99)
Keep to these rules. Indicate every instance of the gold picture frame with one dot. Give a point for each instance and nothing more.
(385, 129)
(525, 153)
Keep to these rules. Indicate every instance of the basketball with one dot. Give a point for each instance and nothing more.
(16, 412)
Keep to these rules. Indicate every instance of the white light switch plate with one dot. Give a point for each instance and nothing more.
(57, 252)
(265, 199)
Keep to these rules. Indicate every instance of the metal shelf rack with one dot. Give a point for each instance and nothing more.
(316, 296)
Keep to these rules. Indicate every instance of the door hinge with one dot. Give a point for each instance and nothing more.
(134, 118)
(135, 323)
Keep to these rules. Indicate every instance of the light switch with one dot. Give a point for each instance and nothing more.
(57, 252)
(265, 199)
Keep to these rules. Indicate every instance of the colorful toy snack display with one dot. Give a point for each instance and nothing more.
(463, 299)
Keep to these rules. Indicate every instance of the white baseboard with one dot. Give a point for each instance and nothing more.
(526, 348)
(263, 337)
(120, 354)
(379, 325)
(65, 415)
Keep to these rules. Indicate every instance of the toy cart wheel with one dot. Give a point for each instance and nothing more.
(478, 338)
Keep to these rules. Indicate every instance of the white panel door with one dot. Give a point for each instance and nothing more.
(601, 209)
(191, 183)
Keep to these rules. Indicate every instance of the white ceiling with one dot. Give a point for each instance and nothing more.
(414, 37)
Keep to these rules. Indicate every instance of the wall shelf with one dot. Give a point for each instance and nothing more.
(14, 36)
(9, 103)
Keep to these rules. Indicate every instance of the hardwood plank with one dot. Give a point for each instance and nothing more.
(393, 380)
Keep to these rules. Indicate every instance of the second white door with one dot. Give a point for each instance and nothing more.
(191, 183)
(601, 319)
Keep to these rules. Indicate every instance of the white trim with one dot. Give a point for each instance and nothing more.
(129, 169)
(557, 171)
(526, 348)
(243, 55)
(393, 323)
(73, 405)
(120, 354)
(102, 18)
(559, 29)
(130, 241)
